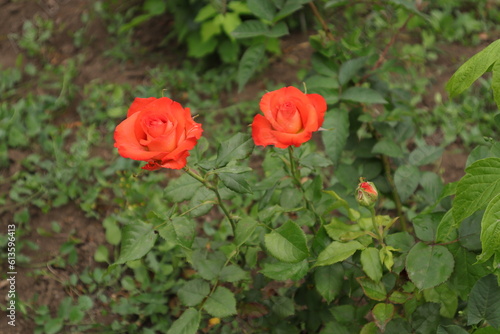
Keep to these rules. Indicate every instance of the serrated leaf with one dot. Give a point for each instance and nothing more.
(477, 188)
(335, 136)
(426, 225)
(250, 28)
(328, 281)
(237, 147)
(188, 323)
(428, 266)
(490, 230)
(466, 272)
(406, 179)
(182, 188)
(373, 290)
(350, 68)
(221, 303)
(370, 261)
(336, 252)
(444, 296)
(244, 229)
(202, 202)
(282, 271)
(484, 302)
(249, 63)
(193, 292)
(424, 155)
(232, 273)
(383, 313)
(447, 229)
(388, 147)
(208, 265)
(362, 95)
(473, 68)
(264, 9)
(235, 182)
(287, 243)
(137, 240)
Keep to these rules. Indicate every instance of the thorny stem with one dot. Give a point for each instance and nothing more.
(214, 189)
(321, 21)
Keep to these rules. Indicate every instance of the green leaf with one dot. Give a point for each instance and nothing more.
(264, 9)
(328, 281)
(249, 63)
(205, 13)
(279, 30)
(373, 290)
(336, 252)
(388, 147)
(208, 265)
(477, 188)
(250, 28)
(283, 306)
(236, 182)
(282, 271)
(446, 297)
(424, 155)
(154, 7)
(406, 179)
(193, 292)
(232, 273)
(402, 241)
(288, 8)
(447, 229)
(484, 302)
(137, 240)
(221, 303)
(101, 254)
(244, 230)
(426, 318)
(362, 95)
(473, 68)
(426, 225)
(237, 147)
(202, 202)
(53, 325)
(187, 323)
(428, 266)
(490, 230)
(467, 272)
(287, 243)
(370, 260)
(350, 68)
(452, 329)
(495, 82)
(383, 313)
(181, 189)
(335, 137)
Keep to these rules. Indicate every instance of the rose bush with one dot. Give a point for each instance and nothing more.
(290, 117)
(159, 131)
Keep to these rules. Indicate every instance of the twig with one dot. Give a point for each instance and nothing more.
(321, 21)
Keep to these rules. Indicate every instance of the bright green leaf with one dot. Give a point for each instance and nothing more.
(336, 252)
(473, 68)
(373, 290)
(383, 313)
(370, 261)
(477, 188)
(490, 230)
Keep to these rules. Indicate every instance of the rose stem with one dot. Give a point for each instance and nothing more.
(211, 187)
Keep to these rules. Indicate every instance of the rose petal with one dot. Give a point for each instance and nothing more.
(138, 104)
(262, 131)
(319, 104)
(287, 139)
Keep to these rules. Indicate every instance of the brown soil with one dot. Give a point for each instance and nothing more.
(66, 14)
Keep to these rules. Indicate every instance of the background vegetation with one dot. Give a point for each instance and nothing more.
(72, 68)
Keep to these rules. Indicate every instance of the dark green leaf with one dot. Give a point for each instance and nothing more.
(428, 266)
(232, 273)
(484, 302)
(235, 182)
(426, 225)
(137, 240)
(490, 230)
(264, 9)
(188, 323)
(406, 179)
(193, 292)
(249, 63)
(282, 271)
(362, 95)
(287, 243)
(424, 155)
(221, 303)
(244, 230)
(237, 147)
(466, 272)
(328, 281)
(425, 319)
(250, 28)
(182, 188)
(335, 136)
(388, 147)
(350, 68)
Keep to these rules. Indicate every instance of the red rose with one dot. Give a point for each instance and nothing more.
(290, 117)
(159, 131)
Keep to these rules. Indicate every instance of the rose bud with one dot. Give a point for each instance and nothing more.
(367, 193)
(290, 117)
(158, 131)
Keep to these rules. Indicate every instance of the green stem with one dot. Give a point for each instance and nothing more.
(380, 237)
(214, 189)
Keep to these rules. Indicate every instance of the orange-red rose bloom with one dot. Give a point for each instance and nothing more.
(159, 131)
(290, 117)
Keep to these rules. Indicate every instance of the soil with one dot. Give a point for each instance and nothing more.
(66, 14)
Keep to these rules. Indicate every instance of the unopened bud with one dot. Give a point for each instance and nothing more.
(367, 193)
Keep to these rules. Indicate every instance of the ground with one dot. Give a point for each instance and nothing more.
(50, 287)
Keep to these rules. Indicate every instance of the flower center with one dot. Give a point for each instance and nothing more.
(289, 117)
